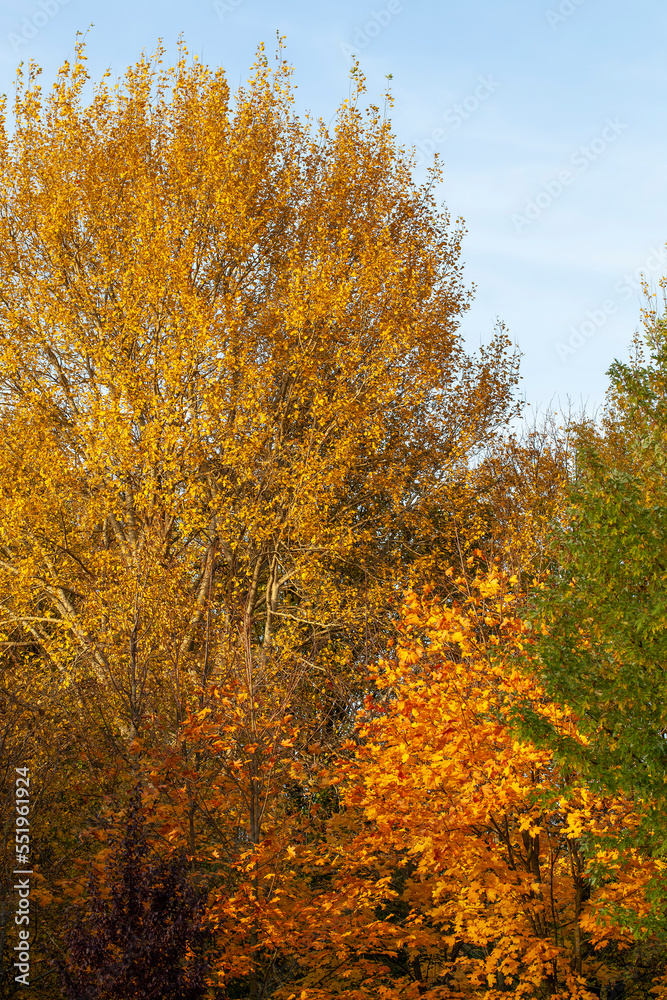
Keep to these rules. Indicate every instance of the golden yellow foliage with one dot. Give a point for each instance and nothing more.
(233, 389)
(234, 401)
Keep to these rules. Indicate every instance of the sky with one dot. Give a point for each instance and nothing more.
(548, 116)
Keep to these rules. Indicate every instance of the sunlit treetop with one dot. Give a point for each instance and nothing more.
(231, 374)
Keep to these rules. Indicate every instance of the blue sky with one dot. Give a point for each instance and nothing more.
(549, 116)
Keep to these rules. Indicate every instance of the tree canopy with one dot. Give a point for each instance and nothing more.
(233, 386)
(280, 583)
(602, 609)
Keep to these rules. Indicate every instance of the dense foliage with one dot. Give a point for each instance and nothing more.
(327, 682)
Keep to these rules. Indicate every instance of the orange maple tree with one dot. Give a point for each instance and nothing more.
(456, 866)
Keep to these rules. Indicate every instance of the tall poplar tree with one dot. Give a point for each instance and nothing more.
(235, 406)
(232, 385)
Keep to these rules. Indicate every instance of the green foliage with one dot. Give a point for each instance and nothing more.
(600, 618)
